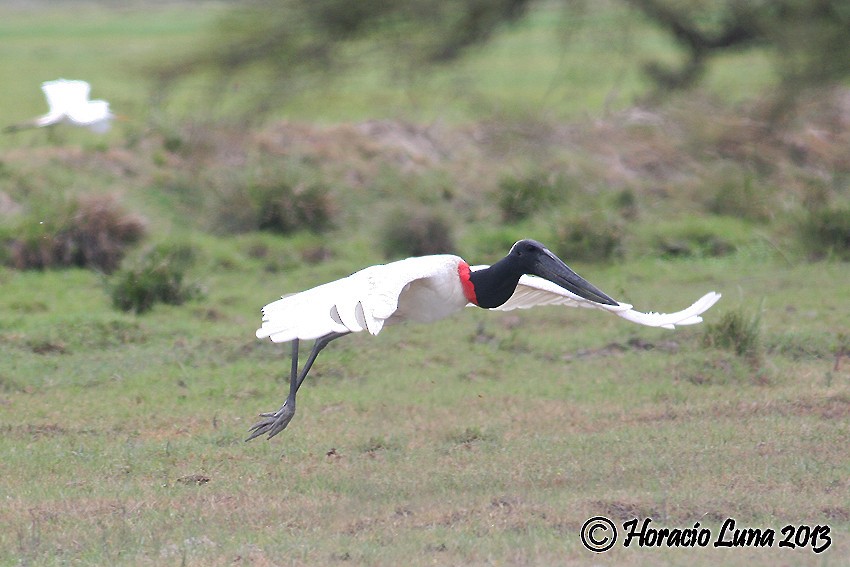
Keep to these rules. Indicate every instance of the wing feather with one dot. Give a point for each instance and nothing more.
(362, 301)
(533, 291)
(64, 96)
(306, 315)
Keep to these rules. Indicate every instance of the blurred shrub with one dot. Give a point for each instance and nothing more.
(273, 205)
(100, 231)
(590, 238)
(826, 231)
(416, 232)
(746, 199)
(626, 203)
(694, 242)
(231, 210)
(93, 231)
(285, 208)
(159, 277)
(520, 197)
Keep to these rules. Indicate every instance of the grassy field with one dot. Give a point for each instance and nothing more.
(486, 439)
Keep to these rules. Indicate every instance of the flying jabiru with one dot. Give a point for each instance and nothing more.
(429, 288)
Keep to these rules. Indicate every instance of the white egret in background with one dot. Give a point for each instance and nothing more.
(429, 288)
(69, 103)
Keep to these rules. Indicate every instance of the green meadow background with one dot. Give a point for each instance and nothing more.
(485, 439)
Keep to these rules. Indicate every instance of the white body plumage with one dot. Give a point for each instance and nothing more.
(422, 289)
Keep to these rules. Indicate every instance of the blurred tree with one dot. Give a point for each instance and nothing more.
(810, 39)
(312, 32)
(702, 29)
(293, 40)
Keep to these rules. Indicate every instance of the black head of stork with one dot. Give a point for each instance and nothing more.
(495, 285)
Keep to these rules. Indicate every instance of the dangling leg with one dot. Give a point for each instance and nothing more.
(262, 426)
(275, 422)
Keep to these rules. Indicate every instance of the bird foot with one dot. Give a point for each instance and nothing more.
(273, 422)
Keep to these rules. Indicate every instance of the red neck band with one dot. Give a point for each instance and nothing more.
(466, 283)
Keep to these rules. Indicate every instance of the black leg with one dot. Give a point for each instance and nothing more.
(320, 343)
(293, 374)
(275, 422)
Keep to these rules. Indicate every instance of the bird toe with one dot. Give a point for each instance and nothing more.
(273, 422)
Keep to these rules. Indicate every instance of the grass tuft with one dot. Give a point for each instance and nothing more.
(470, 436)
(376, 444)
(736, 331)
(716, 369)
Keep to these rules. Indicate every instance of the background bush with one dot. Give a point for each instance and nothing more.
(274, 205)
(697, 241)
(739, 194)
(285, 208)
(159, 277)
(416, 232)
(594, 237)
(826, 231)
(92, 231)
(520, 197)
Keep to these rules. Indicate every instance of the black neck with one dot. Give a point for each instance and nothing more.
(496, 284)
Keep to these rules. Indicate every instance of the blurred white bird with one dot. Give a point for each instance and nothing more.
(430, 288)
(69, 104)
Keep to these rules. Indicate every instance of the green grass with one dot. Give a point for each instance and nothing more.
(443, 447)
(485, 439)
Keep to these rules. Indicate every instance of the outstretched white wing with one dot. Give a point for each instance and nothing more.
(688, 316)
(65, 96)
(425, 288)
(533, 291)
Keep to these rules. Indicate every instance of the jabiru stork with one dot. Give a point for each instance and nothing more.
(429, 288)
(68, 102)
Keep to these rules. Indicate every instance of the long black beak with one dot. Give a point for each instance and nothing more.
(552, 268)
